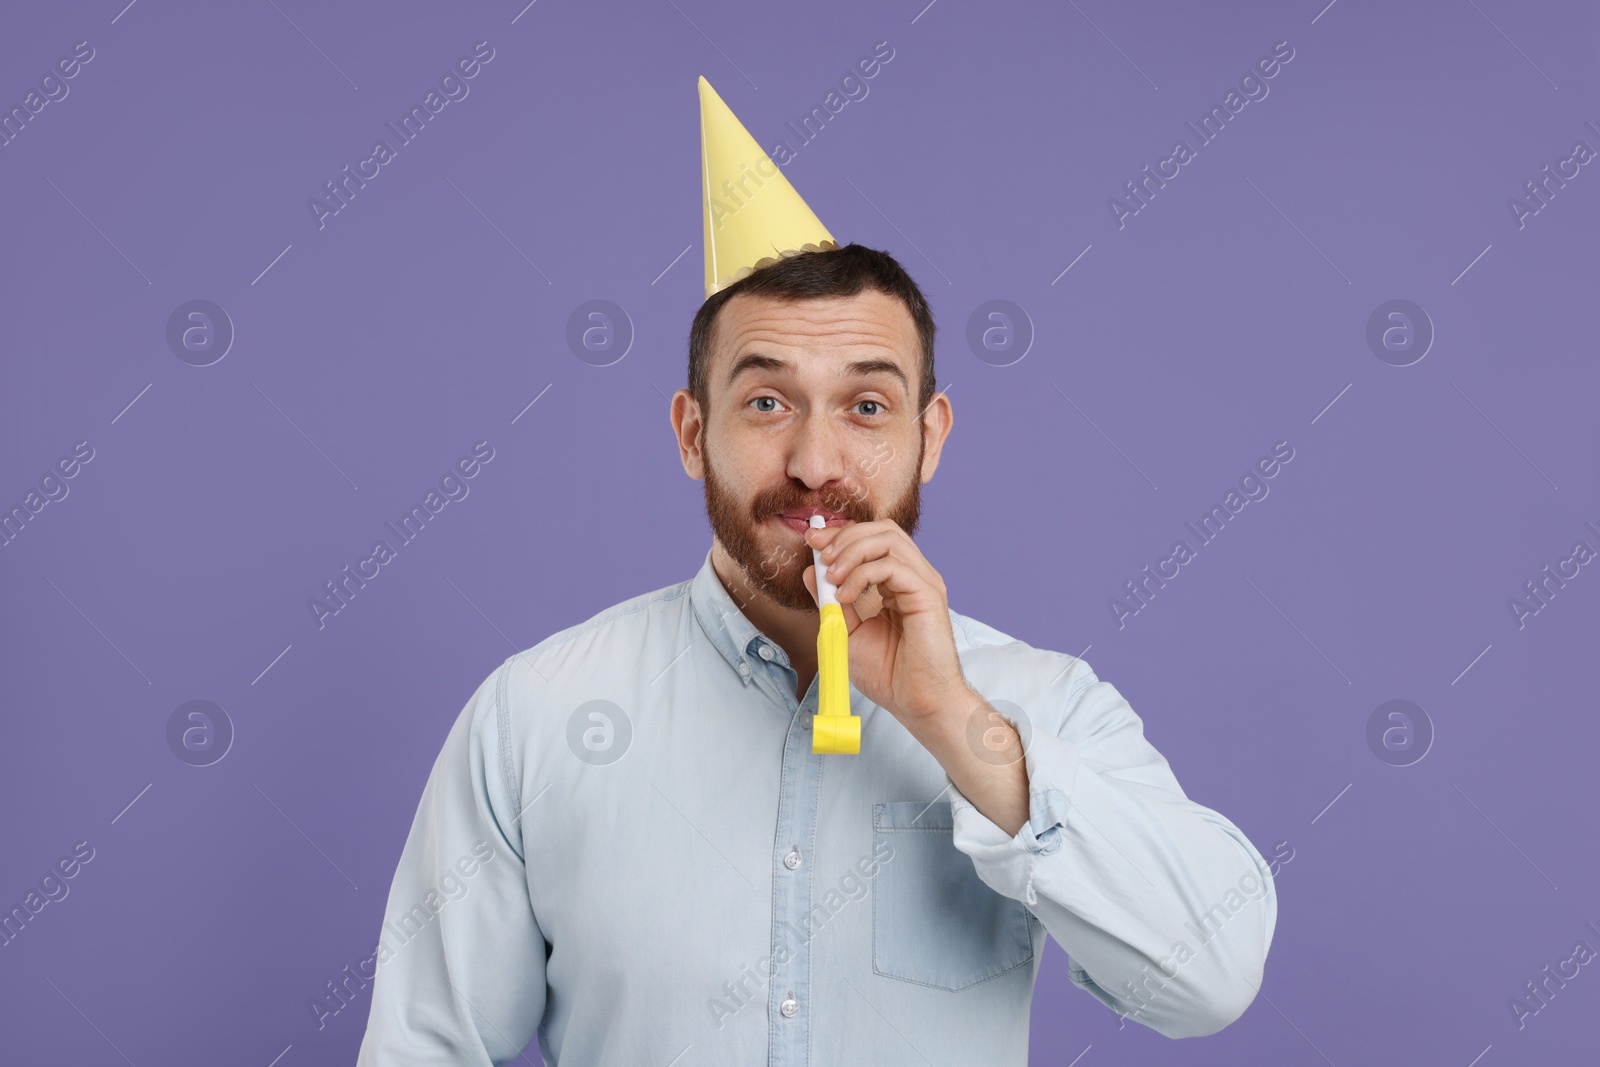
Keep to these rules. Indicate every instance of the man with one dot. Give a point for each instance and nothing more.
(628, 845)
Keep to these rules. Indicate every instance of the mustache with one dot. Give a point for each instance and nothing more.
(790, 498)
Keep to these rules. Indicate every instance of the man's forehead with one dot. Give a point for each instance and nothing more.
(870, 321)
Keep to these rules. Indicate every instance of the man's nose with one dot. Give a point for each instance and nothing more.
(817, 452)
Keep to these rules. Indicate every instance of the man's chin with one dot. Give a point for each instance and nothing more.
(787, 587)
(784, 597)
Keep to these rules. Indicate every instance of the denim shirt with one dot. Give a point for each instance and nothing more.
(627, 846)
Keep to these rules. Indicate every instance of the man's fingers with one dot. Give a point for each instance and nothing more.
(866, 606)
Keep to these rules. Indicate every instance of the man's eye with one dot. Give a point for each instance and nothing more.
(871, 403)
(764, 399)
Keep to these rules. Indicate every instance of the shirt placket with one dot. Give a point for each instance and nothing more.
(789, 1006)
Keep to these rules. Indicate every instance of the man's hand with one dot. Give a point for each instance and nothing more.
(904, 659)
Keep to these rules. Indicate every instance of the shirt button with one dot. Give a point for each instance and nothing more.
(790, 1007)
(765, 652)
(744, 668)
(792, 860)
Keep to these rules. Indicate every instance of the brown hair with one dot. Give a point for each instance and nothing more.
(806, 275)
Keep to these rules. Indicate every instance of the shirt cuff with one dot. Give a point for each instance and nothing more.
(1005, 863)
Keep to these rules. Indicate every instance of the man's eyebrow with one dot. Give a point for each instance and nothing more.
(864, 367)
(860, 368)
(754, 361)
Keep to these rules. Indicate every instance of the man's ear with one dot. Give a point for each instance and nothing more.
(937, 421)
(689, 428)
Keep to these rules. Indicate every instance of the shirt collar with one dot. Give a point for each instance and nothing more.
(735, 636)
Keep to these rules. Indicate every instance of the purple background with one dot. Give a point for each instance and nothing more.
(1228, 315)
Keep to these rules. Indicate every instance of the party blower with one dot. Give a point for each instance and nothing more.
(834, 730)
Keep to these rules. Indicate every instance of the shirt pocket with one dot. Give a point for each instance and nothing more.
(934, 922)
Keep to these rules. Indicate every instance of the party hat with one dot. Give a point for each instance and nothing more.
(753, 216)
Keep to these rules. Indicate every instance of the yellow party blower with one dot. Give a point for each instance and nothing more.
(834, 730)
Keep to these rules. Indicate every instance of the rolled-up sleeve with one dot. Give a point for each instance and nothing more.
(461, 958)
(1164, 907)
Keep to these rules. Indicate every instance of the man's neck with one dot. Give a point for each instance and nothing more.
(793, 631)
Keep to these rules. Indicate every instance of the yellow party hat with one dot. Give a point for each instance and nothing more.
(753, 216)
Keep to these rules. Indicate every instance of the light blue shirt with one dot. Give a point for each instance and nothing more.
(627, 846)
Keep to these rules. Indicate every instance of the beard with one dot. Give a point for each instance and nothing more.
(777, 569)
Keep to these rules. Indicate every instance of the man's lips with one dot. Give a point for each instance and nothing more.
(799, 519)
